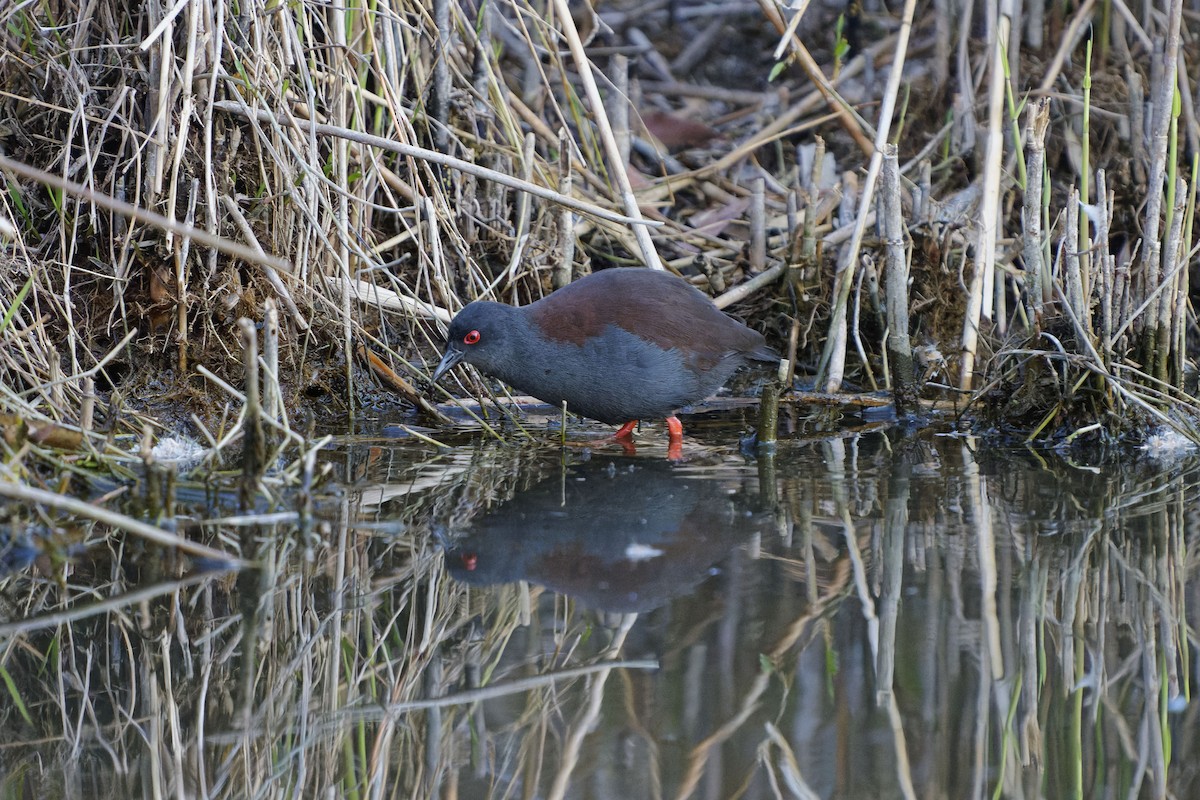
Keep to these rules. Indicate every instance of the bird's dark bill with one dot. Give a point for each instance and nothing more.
(451, 357)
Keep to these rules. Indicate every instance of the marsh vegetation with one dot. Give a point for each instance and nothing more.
(231, 238)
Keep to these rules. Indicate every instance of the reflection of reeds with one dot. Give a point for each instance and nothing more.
(351, 661)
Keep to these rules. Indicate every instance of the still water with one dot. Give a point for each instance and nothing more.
(869, 613)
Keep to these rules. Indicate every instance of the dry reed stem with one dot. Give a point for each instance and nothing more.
(981, 295)
(898, 347)
(29, 494)
(616, 163)
(1037, 119)
(849, 119)
(833, 358)
(1162, 91)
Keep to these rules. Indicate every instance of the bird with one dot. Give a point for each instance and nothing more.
(620, 345)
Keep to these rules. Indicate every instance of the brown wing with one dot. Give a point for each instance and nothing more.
(654, 305)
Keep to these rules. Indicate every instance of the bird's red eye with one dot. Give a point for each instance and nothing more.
(471, 338)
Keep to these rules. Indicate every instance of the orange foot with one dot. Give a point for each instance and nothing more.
(626, 431)
(674, 428)
(624, 437)
(674, 444)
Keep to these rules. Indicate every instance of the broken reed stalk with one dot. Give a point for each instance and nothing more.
(795, 281)
(758, 225)
(1167, 299)
(905, 389)
(1137, 125)
(866, 274)
(942, 34)
(924, 190)
(439, 100)
(1101, 213)
(273, 400)
(1037, 120)
(812, 199)
(561, 274)
(768, 415)
(87, 408)
(1162, 91)
(254, 455)
(1073, 286)
(151, 484)
(58, 396)
(792, 250)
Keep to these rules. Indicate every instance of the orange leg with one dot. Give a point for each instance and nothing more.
(626, 431)
(675, 443)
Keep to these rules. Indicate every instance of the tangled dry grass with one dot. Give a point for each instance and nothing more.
(185, 180)
(170, 167)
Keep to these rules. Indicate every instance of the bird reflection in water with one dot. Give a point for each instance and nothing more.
(619, 535)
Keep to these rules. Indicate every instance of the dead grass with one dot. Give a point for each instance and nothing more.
(195, 162)
(170, 168)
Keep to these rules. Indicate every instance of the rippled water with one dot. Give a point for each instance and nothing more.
(867, 614)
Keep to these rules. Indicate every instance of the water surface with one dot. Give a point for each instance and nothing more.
(869, 613)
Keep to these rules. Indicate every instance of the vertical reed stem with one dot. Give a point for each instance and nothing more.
(1167, 298)
(758, 225)
(1073, 285)
(253, 442)
(1162, 90)
(1106, 278)
(899, 349)
(272, 400)
(1036, 123)
(561, 275)
(617, 174)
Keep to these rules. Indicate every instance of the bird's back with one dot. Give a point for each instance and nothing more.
(653, 305)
